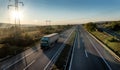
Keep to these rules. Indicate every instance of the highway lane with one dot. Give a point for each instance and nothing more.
(112, 62)
(90, 55)
(32, 55)
(41, 64)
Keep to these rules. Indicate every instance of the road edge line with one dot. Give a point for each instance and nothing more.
(110, 51)
(72, 53)
(18, 60)
(86, 53)
(29, 65)
(100, 54)
(45, 68)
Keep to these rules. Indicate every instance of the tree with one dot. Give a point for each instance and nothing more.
(115, 26)
(90, 26)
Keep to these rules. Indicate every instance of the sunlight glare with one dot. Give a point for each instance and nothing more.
(16, 15)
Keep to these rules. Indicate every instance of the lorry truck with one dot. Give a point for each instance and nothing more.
(48, 41)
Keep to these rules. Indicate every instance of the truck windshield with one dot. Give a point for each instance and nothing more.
(44, 41)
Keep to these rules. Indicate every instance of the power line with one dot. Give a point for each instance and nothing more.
(16, 7)
(15, 4)
(48, 22)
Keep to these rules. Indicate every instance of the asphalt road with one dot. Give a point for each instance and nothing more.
(88, 54)
(34, 58)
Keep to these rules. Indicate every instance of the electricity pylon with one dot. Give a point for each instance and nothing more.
(48, 22)
(15, 5)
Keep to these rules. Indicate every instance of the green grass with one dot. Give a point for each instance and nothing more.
(109, 41)
(61, 61)
(118, 32)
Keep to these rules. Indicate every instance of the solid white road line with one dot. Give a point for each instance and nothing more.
(61, 47)
(86, 54)
(19, 60)
(84, 46)
(104, 46)
(29, 65)
(100, 54)
(78, 41)
(73, 53)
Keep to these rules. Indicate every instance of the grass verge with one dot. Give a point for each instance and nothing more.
(62, 59)
(110, 41)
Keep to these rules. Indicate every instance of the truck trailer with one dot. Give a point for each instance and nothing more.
(48, 41)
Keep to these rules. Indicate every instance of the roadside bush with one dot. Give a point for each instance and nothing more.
(27, 40)
(90, 26)
(13, 50)
(3, 51)
(6, 50)
(19, 40)
(114, 25)
(112, 39)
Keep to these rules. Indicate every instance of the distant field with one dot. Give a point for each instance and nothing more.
(109, 40)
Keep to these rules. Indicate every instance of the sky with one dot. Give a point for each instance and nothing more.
(62, 11)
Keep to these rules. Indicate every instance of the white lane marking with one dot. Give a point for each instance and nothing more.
(29, 65)
(104, 46)
(82, 40)
(84, 46)
(78, 41)
(58, 51)
(72, 53)
(100, 54)
(86, 54)
(19, 59)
